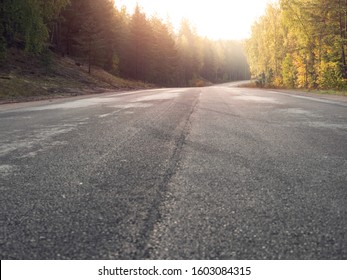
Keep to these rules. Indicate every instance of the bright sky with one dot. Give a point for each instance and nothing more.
(216, 19)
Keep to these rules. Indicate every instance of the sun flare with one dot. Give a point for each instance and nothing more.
(218, 19)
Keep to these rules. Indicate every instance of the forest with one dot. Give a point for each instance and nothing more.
(300, 44)
(127, 44)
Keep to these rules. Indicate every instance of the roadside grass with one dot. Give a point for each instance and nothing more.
(328, 91)
(199, 82)
(102, 77)
(17, 87)
(253, 84)
(26, 78)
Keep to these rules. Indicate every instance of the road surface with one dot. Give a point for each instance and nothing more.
(200, 173)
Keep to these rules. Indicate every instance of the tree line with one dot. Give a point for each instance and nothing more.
(131, 45)
(300, 44)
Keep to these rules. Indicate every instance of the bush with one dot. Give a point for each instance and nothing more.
(47, 59)
(2, 43)
(289, 72)
(330, 76)
(197, 82)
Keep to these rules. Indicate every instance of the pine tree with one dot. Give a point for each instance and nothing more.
(190, 52)
(140, 46)
(163, 55)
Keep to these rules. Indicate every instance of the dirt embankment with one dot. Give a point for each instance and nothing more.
(26, 77)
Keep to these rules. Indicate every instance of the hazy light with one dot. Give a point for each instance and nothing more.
(217, 19)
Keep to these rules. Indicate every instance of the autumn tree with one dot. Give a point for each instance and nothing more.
(301, 43)
(265, 47)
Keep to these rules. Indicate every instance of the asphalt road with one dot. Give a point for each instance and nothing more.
(201, 173)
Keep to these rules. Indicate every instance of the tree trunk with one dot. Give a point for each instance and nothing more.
(343, 31)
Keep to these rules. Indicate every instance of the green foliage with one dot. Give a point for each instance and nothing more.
(34, 28)
(190, 53)
(51, 9)
(130, 45)
(90, 31)
(139, 55)
(163, 54)
(330, 76)
(2, 43)
(301, 43)
(27, 22)
(115, 64)
(289, 72)
(47, 59)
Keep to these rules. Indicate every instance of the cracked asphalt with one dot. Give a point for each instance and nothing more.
(183, 173)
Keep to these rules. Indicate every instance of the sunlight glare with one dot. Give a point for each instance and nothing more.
(217, 19)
